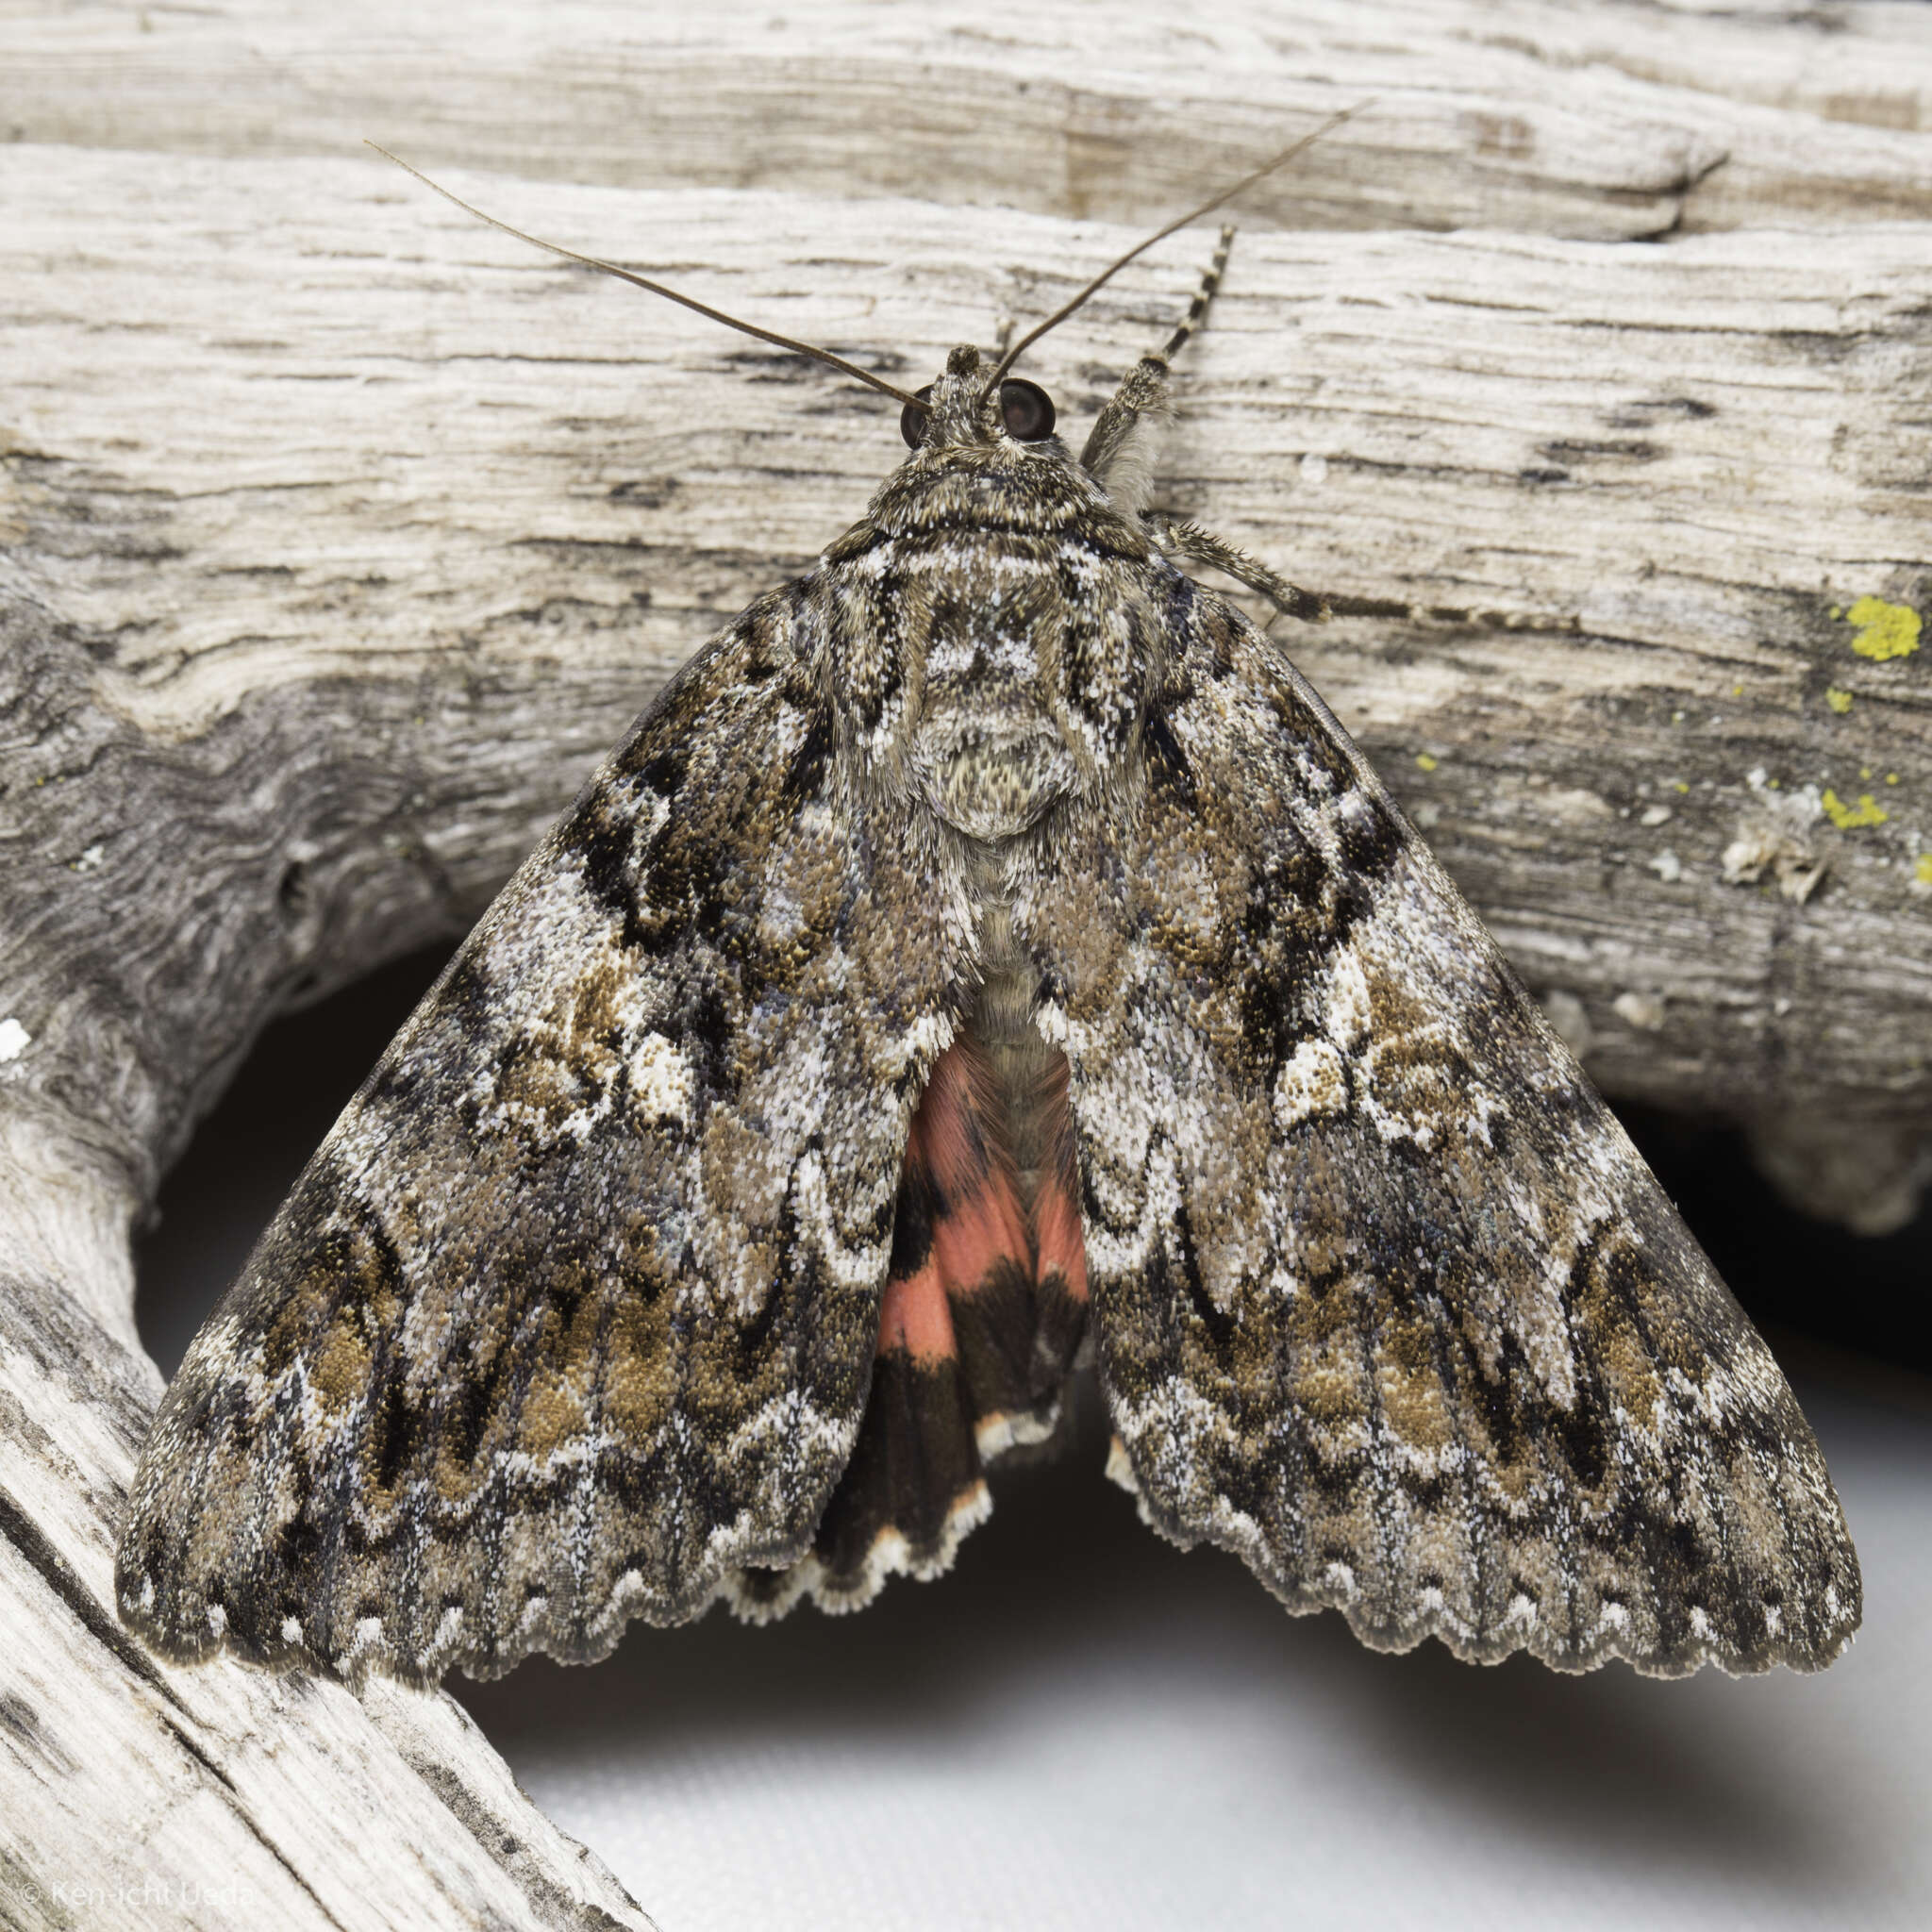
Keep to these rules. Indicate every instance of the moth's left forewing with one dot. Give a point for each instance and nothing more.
(573, 1315)
(1386, 1302)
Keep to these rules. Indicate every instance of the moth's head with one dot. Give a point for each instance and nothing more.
(965, 409)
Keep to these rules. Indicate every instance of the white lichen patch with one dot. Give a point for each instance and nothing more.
(1643, 1010)
(14, 1040)
(1774, 836)
(1791, 862)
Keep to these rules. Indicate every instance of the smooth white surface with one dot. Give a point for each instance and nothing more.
(1081, 1727)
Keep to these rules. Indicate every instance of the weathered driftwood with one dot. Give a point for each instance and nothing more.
(1572, 120)
(339, 536)
(341, 555)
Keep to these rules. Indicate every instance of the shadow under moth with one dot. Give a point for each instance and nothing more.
(987, 954)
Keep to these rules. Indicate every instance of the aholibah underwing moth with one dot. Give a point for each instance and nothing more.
(987, 954)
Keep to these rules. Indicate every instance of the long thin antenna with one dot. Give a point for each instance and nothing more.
(1207, 208)
(624, 275)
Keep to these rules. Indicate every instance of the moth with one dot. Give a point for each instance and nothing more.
(987, 955)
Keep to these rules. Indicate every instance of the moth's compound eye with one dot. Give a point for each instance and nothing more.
(1029, 410)
(912, 418)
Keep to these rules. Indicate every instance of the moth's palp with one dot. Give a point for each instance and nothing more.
(624, 275)
(1207, 208)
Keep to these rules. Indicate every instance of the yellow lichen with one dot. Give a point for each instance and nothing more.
(1885, 630)
(1848, 817)
(1923, 871)
(1424, 763)
(1839, 701)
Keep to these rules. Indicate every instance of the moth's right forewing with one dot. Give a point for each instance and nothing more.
(573, 1314)
(1386, 1304)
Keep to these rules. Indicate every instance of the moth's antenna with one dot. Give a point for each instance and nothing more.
(1207, 208)
(624, 275)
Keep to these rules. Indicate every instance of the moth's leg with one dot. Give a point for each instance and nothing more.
(1190, 544)
(1119, 453)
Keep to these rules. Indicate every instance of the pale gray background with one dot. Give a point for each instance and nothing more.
(1082, 1727)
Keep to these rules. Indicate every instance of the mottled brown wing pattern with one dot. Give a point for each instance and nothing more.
(1386, 1304)
(989, 945)
(573, 1314)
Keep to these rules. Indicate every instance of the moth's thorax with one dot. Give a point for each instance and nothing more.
(994, 633)
(984, 753)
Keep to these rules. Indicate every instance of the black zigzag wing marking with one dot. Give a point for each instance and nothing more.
(1386, 1302)
(573, 1314)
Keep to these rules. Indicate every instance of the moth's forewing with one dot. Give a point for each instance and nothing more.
(1386, 1302)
